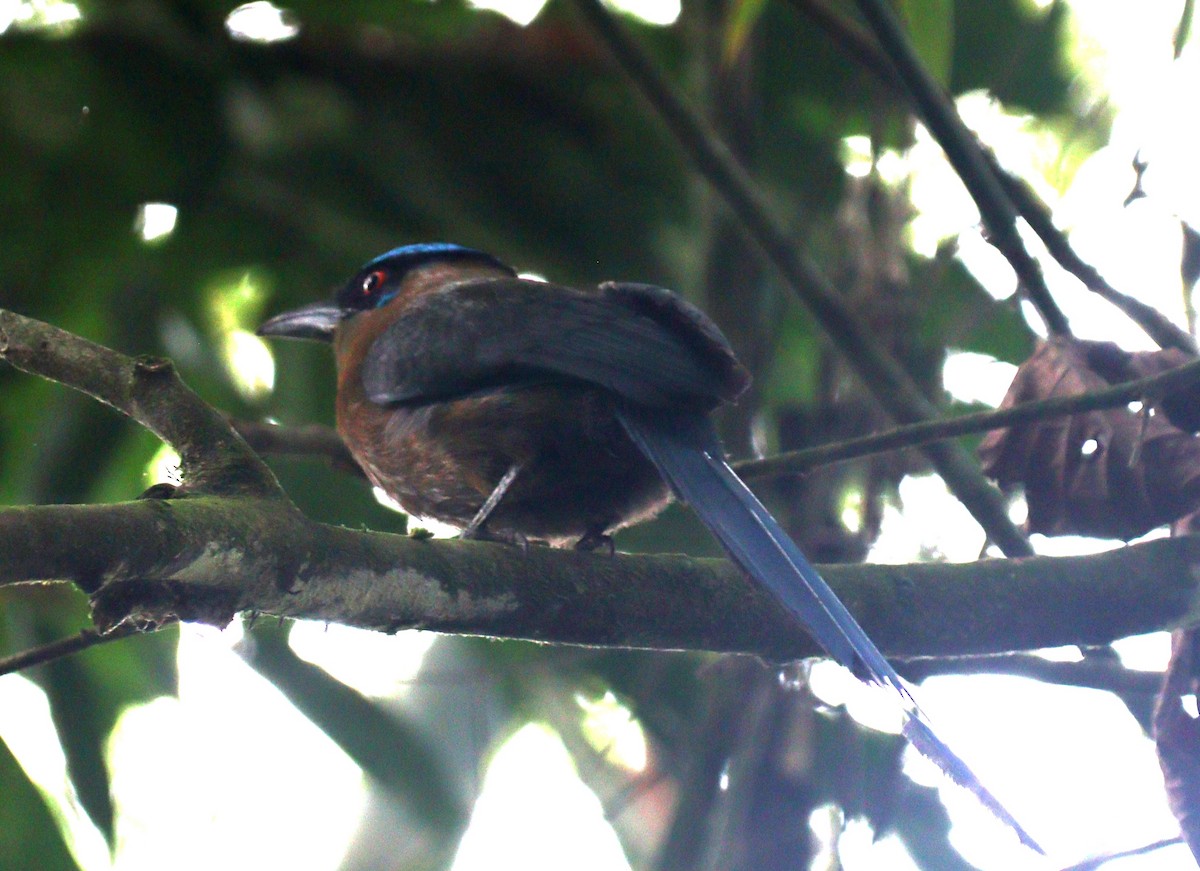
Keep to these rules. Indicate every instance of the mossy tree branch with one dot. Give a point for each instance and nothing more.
(230, 541)
(207, 558)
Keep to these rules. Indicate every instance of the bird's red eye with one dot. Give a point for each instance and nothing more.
(373, 282)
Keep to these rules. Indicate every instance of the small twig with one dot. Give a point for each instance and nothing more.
(639, 787)
(309, 440)
(62, 648)
(963, 151)
(1089, 673)
(1095, 862)
(795, 462)
(1033, 210)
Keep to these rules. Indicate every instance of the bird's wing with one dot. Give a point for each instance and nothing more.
(642, 343)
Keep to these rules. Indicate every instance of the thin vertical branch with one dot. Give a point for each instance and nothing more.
(863, 50)
(963, 151)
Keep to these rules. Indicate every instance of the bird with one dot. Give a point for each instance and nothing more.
(520, 410)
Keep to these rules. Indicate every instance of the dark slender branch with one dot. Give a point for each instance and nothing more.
(1151, 320)
(859, 46)
(857, 42)
(62, 648)
(963, 151)
(1089, 673)
(1175, 734)
(793, 462)
(889, 383)
(309, 440)
(1096, 862)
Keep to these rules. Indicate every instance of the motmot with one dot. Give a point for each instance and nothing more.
(519, 410)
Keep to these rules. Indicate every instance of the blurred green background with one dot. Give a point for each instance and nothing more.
(174, 171)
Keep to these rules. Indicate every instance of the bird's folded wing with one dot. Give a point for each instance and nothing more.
(641, 343)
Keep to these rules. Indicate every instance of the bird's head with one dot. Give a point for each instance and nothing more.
(400, 274)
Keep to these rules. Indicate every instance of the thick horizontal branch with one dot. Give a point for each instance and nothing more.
(231, 542)
(206, 558)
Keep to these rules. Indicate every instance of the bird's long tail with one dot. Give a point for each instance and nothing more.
(688, 454)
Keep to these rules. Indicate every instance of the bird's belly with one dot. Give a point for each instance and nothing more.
(579, 472)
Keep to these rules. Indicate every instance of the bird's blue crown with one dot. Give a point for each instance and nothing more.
(378, 281)
(409, 256)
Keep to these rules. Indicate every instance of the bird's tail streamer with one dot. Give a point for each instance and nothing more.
(687, 452)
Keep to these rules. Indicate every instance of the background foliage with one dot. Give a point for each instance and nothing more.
(382, 123)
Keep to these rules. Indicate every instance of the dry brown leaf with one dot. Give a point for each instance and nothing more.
(1115, 365)
(1114, 474)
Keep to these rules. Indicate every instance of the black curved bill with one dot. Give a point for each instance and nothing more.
(315, 322)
